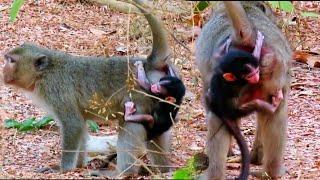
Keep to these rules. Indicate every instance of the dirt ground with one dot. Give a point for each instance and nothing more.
(86, 29)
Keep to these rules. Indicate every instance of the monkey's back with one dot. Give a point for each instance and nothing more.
(82, 80)
(219, 28)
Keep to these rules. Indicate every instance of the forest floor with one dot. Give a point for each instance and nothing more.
(86, 29)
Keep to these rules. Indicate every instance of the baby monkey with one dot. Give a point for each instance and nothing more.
(169, 88)
(235, 71)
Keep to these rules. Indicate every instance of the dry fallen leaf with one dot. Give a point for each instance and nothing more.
(307, 57)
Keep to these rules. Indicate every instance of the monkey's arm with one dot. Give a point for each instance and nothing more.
(142, 77)
(258, 105)
(129, 115)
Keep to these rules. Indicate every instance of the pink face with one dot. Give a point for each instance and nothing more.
(155, 88)
(253, 77)
(160, 88)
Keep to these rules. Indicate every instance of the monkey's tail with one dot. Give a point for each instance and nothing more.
(245, 160)
(160, 46)
(243, 31)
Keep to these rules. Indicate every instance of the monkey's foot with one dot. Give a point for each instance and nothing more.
(50, 169)
(264, 175)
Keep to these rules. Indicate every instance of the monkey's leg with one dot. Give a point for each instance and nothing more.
(218, 143)
(159, 147)
(256, 153)
(82, 150)
(273, 136)
(131, 143)
(73, 135)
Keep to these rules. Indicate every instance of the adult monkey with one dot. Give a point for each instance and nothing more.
(241, 21)
(64, 85)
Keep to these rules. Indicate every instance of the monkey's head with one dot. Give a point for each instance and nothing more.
(238, 65)
(23, 66)
(169, 86)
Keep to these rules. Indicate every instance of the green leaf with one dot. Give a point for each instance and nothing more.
(93, 126)
(11, 123)
(27, 125)
(200, 6)
(43, 122)
(182, 173)
(16, 5)
(274, 4)
(310, 14)
(286, 6)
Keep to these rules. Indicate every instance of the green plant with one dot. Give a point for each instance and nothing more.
(93, 126)
(15, 7)
(187, 172)
(28, 124)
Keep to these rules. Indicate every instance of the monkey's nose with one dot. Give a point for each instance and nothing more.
(254, 79)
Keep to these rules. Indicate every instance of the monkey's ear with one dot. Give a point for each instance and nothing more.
(41, 63)
(229, 77)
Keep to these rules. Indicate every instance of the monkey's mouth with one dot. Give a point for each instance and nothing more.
(8, 80)
(253, 77)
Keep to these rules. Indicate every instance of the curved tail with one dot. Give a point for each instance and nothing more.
(245, 160)
(243, 31)
(160, 46)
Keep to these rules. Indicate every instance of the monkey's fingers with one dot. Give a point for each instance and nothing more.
(276, 100)
(129, 108)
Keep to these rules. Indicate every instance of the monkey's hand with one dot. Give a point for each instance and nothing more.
(129, 108)
(276, 99)
(249, 106)
(140, 118)
(141, 76)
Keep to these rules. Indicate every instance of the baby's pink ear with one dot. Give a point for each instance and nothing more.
(229, 77)
(170, 99)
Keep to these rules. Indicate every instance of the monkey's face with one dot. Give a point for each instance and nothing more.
(21, 69)
(169, 86)
(252, 76)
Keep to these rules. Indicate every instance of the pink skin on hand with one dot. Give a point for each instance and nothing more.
(155, 88)
(129, 108)
(276, 100)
